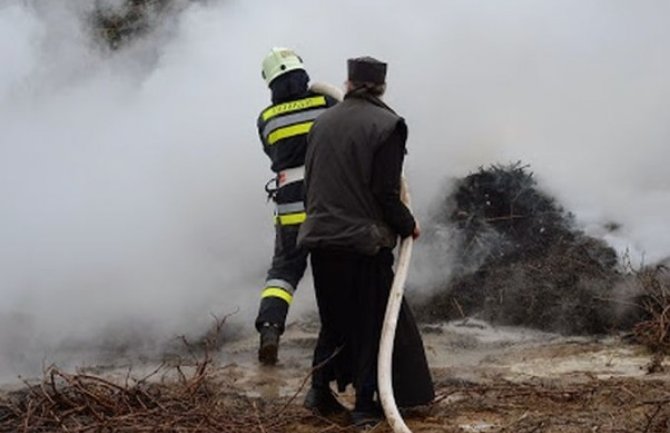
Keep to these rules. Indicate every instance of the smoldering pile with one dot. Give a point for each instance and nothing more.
(652, 285)
(118, 22)
(518, 259)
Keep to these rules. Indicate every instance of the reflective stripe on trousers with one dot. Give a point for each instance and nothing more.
(288, 214)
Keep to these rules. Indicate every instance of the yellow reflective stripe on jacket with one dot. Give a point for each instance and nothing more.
(290, 119)
(289, 131)
(290, 219)
(288, 107)
(276, 292)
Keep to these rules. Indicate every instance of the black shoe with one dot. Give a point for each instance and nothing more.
(322, 402)
(267, 352)
(368, 416)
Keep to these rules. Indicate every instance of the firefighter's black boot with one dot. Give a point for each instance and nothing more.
(267, 352)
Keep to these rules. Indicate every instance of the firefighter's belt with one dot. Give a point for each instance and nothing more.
(290, 175)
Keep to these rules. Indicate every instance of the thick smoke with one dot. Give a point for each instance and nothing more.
(131, 181)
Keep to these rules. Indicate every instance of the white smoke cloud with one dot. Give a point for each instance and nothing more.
(131, 181)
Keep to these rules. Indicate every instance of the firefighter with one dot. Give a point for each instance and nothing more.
(283, 128)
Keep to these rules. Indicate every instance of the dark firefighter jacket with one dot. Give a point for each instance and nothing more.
(283, 129)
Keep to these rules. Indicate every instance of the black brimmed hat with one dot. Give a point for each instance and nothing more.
(366, 70)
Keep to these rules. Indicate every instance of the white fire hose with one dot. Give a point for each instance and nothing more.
(384, 360)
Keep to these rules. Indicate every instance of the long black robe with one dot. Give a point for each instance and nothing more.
(352, 291)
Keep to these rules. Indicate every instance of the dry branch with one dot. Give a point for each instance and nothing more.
(654, 331)
(196, 402)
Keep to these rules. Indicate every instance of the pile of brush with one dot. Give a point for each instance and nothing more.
(116, 24)
(518, 258)
(653, 328)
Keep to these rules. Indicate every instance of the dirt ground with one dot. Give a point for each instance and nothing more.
(488, 379)
(491, 380)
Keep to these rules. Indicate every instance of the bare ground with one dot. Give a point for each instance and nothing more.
(487, 380)
(495, 380)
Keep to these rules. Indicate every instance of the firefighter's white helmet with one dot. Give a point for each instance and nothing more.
(280, 61)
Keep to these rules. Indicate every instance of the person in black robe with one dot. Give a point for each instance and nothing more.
(354, 216)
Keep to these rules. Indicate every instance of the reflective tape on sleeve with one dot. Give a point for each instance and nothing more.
(276, 292)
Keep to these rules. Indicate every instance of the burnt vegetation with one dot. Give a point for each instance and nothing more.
(653, 328)
(117, 24)
(519, 259)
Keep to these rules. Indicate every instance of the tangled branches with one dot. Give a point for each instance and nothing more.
(612, 406)
(130, 19)
(78, 403)
(518, 258)
(654, 330)
(185, 398)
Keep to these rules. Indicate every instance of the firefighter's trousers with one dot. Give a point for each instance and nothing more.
(288, 267)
